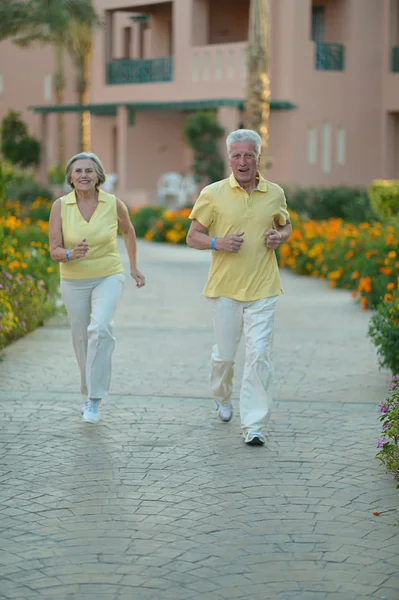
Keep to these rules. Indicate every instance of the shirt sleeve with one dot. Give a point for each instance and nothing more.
(203, 209)
(282, 216)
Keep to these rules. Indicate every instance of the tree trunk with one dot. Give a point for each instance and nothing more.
(83, 82)
(59, 89)
(257, 105)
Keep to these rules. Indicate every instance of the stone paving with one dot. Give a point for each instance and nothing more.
(162, 500)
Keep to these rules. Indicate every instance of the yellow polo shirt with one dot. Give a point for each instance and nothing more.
(101, 233)
(224, 208)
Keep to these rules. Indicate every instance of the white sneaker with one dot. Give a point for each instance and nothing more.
(85, 404)
(92, 412)
(225, 411)
(253, 438)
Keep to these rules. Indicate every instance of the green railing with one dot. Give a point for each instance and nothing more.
(330, 57)
(143, 70)
(395, 59)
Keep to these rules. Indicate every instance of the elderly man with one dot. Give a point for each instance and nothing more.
(242, 219)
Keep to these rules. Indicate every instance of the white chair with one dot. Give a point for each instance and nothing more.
(109, 184)
(169, 189)
(188, 191)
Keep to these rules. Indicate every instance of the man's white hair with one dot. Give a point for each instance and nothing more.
(244, 135)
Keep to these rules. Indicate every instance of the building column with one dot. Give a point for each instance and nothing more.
(109, 35)
(386, 146)
(182, 39)
(43, 166)
(229, 118)
(122, 123)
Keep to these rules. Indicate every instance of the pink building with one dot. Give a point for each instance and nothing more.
(334, 79)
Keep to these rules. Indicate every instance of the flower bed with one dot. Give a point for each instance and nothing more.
(363, 259)
(28, 276)
(388, 445)
(155, 224)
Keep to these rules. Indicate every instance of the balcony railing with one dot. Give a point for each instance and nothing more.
(329, 57)
(144, 70)
(219, 62)
(395, 59)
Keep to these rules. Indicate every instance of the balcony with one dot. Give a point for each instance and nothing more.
(128, 71)
(395, 59)
(219, 62)
(329, 57)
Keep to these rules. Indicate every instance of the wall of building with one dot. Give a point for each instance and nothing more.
(26, 77)
(345, 128)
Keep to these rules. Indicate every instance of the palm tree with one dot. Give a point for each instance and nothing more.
(257, 104)
(55, 23)
(80, 48)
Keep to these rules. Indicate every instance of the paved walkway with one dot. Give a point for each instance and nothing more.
(164, 502)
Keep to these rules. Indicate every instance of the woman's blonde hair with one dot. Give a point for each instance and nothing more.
(99, 169)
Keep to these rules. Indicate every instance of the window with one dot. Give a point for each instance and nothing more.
(312, 145)
(127, 42)
(317, 24)
(326, 148)
(47, 87)
(341, 145)
(194, 67)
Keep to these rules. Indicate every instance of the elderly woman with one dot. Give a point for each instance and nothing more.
(83, 239)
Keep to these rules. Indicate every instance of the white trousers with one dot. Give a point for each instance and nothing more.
(90, 304)
(255, 319)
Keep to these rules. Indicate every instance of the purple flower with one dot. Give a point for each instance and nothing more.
(8, 275)
(383, 409)
(392, 386)
(381, 443)
(395, 378)
(386, 426)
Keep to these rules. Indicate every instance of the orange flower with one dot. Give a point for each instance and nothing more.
(354, 294)
(355, 275)
(390, 286)
(348, 255)
(385, 270)
(365, 284)
(363, 303)
(334, 275)
(388, 298)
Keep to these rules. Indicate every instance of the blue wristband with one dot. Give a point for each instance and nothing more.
(213, 244)
(67, 254)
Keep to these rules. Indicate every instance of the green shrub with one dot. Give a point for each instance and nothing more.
(347, 203)
(384, 195)
(25, 304)
(29, 279)
(144, 217)
(26, 190)
(384, 331)
(17, 146)
(202, 133)
(388, 445)
(56, 174)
